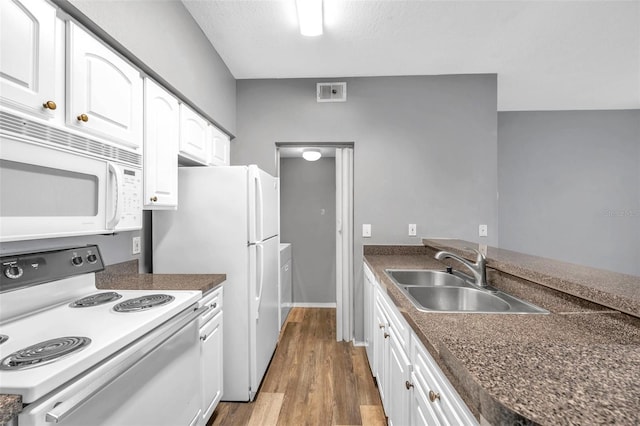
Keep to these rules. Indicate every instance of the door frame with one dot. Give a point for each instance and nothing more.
(344, 230)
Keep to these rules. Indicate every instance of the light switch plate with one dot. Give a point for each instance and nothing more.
(412, 230)
(482, 230)
(366, 230)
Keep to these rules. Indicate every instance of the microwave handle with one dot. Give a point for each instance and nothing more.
(115, 170)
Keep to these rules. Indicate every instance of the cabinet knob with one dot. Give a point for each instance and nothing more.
(204, 337)
(380, 326)
(50, 105)
(83, 117)
(386, 335)
(154, 199)
(408, 385)
(214, 305)
(434, 395)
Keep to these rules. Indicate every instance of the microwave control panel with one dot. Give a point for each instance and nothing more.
(131, 198)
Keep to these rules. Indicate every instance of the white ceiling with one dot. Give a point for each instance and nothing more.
(555, 54)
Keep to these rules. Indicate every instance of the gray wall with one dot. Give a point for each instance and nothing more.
(569, 186)
(308, 222)
(164, 36)
(425, 150)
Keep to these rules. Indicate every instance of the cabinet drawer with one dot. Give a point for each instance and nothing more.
(429, 380)
(214, 302)
(396, 321)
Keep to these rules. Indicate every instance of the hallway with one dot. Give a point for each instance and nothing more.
(312, 380)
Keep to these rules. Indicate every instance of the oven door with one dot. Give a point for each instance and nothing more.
(155, 381)
(51, 193)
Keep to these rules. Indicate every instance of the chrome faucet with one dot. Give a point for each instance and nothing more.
(478, 269)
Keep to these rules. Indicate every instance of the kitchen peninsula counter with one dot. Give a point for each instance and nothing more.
(578, 365)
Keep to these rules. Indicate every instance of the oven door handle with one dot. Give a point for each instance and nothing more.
(123, 361)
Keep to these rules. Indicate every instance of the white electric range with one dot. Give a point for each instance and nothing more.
(73, 352)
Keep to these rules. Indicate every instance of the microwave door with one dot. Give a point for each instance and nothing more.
(50, 193)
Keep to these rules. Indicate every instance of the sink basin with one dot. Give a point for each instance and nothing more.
(438, 291)
(458, 299)
(425, 277)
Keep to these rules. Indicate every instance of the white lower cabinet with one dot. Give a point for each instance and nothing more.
(369, 316)
(413, 389)
(442, 401)
(398, 391)
(212, 384)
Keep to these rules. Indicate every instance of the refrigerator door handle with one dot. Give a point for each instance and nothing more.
(260, 278)
(259, 200)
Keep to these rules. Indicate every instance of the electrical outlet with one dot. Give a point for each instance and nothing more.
(482, 230)
(412, 230)
(366, 230)
(482, 248)
(136, 248)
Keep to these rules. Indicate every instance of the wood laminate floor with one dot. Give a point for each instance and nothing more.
(312, 380)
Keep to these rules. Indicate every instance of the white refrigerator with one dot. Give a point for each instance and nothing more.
(227, 221)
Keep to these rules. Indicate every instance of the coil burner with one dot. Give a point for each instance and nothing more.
(44, 353)
(96, 299)
(143, 303)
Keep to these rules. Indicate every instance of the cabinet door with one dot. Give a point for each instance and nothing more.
(211, 362)
(27, 57)
(220, 146)
(104, 91)
(162, 129)
(368, 317)
(195, 143)
(421, 411)
(440, 398)
(381, 347)
(398, 393)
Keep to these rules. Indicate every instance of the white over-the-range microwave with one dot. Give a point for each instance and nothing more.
(56, 184)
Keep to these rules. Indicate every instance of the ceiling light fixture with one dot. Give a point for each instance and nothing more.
(311, 154)
(310, 17)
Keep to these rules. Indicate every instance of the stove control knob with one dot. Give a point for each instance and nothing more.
(92, 258)
(13, 272)
(77, 261)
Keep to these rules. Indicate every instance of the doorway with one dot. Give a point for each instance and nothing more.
(316, 217)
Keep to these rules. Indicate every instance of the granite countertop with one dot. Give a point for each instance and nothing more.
(10, 406)
(124, 276)
(578, 365)
(202, 282)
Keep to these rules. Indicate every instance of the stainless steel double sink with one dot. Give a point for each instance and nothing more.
(450, 292)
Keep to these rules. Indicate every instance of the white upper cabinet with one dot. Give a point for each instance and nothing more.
(195, 143)
(220, 146)
(104, 92)
(162, 130)
(28, 57)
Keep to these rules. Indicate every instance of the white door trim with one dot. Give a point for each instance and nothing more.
(344, 244)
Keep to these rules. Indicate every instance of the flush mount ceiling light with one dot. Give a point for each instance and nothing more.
(310, 17)
(311, 154)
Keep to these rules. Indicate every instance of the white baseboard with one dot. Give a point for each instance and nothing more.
(359, 343)
(313, 305)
